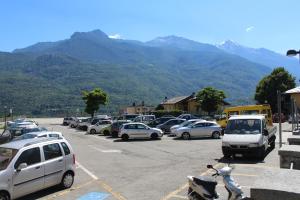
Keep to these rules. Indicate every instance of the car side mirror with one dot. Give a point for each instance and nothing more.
(266, 132)
(21, 166)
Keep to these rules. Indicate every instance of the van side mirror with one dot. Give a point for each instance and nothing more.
(266, 132)
(21, 166)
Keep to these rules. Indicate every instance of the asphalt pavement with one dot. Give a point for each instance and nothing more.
(109, 168)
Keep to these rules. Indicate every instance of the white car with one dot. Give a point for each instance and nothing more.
(41, 134)
(27, 166)
(183, 124)
(199, 129)
(98, 127)
(139, 130)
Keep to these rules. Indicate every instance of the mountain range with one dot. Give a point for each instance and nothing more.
(48, 78)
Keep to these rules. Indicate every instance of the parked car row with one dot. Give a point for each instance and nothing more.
(29, 157)
(24, 129)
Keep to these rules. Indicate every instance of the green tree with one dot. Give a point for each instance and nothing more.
(93, 99)
(266, 90)
(210, 99)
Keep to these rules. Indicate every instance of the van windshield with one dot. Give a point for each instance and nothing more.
(243, 126)
(6, 155)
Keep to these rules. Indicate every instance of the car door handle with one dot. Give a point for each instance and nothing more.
(38, 167)
(60, 160)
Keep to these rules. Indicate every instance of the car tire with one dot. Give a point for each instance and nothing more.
(154, 136)
(93, 131)
(216, 135)
(106, 132)
(186, 136)
(125, 137)
(4, 196)
(72, 126)
(67, 180)
(65, 123)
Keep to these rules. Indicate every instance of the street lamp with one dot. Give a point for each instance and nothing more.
(292, 52)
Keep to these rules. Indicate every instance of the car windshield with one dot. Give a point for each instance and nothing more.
(6, 155)
(243, 126)
(186, 123)
(28, 136)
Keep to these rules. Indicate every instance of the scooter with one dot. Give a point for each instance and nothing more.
(204, 187)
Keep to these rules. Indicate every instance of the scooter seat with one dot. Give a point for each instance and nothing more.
(205, 180)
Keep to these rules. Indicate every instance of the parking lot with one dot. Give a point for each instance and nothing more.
(109, 168)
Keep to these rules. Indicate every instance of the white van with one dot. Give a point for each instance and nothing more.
(248, 134)
(30, 165)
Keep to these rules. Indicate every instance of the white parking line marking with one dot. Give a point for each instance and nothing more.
(180, 197)
(101, 138)
(87, 171)
(106, 150)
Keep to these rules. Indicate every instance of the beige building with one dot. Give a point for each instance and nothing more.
(187, 104)
(138, 109)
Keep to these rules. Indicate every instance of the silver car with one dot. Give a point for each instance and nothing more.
(199, 129)
(27, 166)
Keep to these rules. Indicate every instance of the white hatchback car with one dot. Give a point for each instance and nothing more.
(199, 129)
(139, 130)
(99, 126)
(27, 166)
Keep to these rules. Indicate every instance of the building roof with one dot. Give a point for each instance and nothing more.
(295, 90)
(175, 100)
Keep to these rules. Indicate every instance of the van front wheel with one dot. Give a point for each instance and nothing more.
(4, 196)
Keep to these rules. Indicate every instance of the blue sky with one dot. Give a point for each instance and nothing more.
(272, 24)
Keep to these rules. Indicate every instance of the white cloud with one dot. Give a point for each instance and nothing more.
(250, 28)
(115, 36)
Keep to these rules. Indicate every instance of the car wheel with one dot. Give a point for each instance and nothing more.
(154, 136)
(215, 135)
(125, 137)
(106, 132)
(67, 180)
(72, 126)
(4, 196)
(93, 131)
(186, 136)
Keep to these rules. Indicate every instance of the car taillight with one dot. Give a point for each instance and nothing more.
(73, 159)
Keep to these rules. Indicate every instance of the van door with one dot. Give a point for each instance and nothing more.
(31, 178)
(54, 164)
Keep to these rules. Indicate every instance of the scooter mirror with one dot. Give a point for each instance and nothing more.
(209, 166)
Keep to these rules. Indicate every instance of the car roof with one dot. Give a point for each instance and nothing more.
(19, 144)
(43, 132)
(247, 117)
(134, 123)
